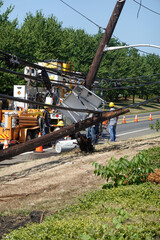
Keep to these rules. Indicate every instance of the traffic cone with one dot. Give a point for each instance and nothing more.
(5, 145)
(150, 117)
(40, 148)
(136, 118)
(124, 119)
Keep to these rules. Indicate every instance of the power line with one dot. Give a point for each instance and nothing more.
(103, 27)
(142, 103)
(72, 75)
(72, 109)
(82, 15)
(6, 56)
(131, 78)
(139, 8)
(127, 87)
(55, 70)
(146, 7)
(44, 104)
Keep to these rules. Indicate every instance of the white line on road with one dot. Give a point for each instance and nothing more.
(133, 132)
(34, 151)
(26, 153)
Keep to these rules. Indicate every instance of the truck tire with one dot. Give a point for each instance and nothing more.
(29, 136)
(40, 123)
(36, 133)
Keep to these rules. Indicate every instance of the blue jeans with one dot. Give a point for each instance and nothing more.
(112, 131)
(45, 131)
(91, 133)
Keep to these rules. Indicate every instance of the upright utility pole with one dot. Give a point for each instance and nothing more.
(105, 40)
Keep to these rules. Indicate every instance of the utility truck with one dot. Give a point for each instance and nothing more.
(23, 121)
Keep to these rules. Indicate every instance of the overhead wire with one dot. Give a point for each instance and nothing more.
(82, 15)
(127, 87)
(141, 103)
(50, 70)
(103, 27)
(81, 75)
(65, 76)
(128, 79)
(44, 104)
(39, 79)
(139, 8)
(146, 7)
(97, 26)
(57, 83)
(103, 79)
(3, 96)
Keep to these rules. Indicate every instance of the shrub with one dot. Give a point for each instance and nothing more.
(155, 126)
(122, 171)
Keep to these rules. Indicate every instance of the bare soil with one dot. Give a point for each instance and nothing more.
(32, 189)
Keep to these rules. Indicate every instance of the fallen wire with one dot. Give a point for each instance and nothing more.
(142, 103)
(127, 79)
(43, 104)
(127, 87)
(38, 79)
(74, 109)
(7, 56)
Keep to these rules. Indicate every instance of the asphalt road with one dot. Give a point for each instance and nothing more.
(132, 129)
(127, 130)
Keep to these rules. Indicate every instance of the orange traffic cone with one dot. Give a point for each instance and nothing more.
(5, 145)
(40, 148)
(136, 118)
(124, 119)
(150, 117)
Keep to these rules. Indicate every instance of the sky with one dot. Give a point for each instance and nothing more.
(136, 25)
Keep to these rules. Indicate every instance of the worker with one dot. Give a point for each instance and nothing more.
(46, 119)
(112, 124)
(91, 133)
(59, 125)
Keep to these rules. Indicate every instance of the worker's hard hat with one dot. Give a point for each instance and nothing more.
(46, 107)
(60, 124)
(111, 104)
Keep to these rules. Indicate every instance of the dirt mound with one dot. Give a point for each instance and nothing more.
(50, 183)
(8, 223)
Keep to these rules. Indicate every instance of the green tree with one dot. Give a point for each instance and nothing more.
(40, 37)
(9, 42)
(78, 47)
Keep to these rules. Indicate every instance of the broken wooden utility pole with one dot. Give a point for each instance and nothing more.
(52, 137)
(105, 40)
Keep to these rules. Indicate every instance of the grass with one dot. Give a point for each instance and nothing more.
(126, 212)
(150, 107)
(154, 155)
(130, 212)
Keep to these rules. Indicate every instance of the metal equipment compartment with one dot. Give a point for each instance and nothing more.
(80, 98)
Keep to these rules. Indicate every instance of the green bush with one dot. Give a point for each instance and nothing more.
(154, 155)
(125, 212)
(122, 171)
(155, 126)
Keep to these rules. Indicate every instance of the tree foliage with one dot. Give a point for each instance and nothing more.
(40, 37)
